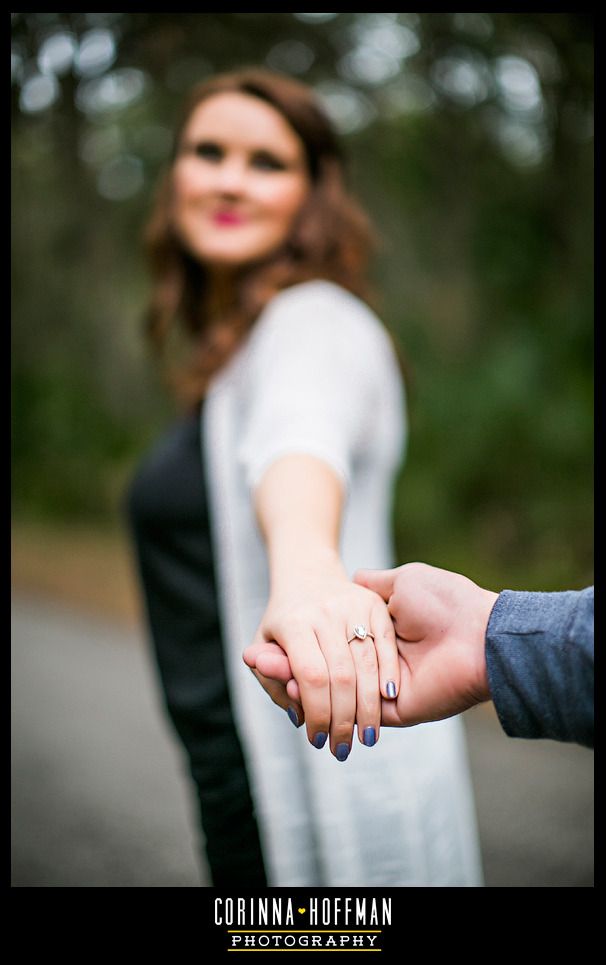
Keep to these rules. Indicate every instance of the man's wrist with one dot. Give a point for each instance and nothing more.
(484, 609)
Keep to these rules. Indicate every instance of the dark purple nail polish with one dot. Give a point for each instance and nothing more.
(369, 736)
(342, 752)
(391, 688)
(293, 716)
(320, 739)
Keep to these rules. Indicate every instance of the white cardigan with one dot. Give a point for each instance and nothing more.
(318, 375)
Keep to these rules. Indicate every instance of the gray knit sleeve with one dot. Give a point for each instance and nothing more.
(539, 656)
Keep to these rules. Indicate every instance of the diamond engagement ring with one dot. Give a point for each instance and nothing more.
(360, 633)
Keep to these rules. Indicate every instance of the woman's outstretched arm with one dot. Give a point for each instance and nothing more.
(314, 608)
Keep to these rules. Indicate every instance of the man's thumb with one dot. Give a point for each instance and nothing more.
(381, 581)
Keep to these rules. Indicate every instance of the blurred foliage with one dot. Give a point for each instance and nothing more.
(470, 137)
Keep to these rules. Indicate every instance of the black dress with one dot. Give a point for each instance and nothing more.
(168, 513)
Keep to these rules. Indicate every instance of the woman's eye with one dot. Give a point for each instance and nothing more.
(267, 162)
(208, 151)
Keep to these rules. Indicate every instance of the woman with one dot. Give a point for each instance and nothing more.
(258, 251)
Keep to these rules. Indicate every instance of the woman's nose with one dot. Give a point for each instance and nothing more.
(230, 177)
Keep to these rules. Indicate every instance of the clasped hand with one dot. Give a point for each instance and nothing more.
(334, 684)
(429, 626)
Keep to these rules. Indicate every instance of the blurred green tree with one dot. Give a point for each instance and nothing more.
(471, 143)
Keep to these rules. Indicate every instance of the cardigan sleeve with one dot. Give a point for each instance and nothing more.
(317, 361)
(539, 659)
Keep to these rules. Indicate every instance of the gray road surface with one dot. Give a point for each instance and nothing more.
(100, 796)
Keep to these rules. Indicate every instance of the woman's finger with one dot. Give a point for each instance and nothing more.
(387, 651)
(343, 686)
(309, 668)
(277, 692)
(368, 696)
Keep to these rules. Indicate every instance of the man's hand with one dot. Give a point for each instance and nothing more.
(440, 620)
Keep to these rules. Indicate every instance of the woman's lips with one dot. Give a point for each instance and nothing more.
(228, 218)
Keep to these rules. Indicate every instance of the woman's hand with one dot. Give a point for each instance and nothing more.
(440, 619)
(271, 667)
(314, 608)
(311, 619)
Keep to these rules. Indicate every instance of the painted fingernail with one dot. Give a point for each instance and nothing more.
(391, 688)
(293, 716)
(369, 736)
(320, 739)
(342, 752)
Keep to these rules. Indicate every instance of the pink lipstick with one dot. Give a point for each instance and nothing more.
(228, 218)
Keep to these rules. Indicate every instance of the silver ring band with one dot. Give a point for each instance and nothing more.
(360, 633)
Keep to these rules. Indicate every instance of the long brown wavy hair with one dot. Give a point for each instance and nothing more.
(331, 237)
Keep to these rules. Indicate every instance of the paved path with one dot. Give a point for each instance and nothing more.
(100, 796)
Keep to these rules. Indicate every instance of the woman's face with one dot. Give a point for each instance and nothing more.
(240, 179)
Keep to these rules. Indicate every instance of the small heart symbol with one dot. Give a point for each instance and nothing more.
(301, 910)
